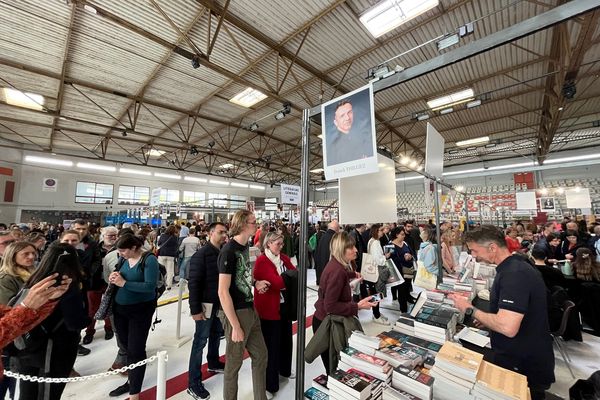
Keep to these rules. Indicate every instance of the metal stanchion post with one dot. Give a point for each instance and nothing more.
(436, 203)
(179, 340)
(161, 376)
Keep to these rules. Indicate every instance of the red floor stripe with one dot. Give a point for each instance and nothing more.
(179, 383)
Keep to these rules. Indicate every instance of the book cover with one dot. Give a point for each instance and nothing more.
(414, 375)
(315, 394)
(351, 383)
(503, 381)
(459, 357)
(357, 355)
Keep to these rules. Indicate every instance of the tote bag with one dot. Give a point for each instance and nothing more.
(424, 278)
(369, 269)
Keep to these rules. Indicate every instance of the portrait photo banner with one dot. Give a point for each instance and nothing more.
(349, 135)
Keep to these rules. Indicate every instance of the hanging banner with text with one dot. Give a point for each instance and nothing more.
(155, 197)
(290, 194)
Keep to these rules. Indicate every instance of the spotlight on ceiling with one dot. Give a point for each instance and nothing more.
(253, 127)
(196, 62)
(211, 144)
(194, 151)
(569, 90)
(287, 108)
(124, 133)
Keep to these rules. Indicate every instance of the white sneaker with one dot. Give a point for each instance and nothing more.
(292, 376)
(270, 395)
(381, 320)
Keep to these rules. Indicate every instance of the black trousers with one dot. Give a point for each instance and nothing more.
(132, 323)
(324, 355)
(278, 338)
(404, 297)
(368, 289)
(64, 353)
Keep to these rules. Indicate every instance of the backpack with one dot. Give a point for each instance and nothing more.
(162, 273)
(312, 242)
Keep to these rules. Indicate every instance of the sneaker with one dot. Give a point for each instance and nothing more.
(87, 339)
(292, 376)
(124, 388)
(109, 334)
(217, 369)
(270, 395)
(198, 393)
(381, 320)
(83, 351)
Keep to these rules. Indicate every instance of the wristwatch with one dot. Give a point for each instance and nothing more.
(469, 312)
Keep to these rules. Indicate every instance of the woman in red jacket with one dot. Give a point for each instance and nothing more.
(276, 328)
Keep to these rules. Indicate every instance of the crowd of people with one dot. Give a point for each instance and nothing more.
(253, 307)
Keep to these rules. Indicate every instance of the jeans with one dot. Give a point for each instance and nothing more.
(183, 268)
(169, 263)
(209, 331)
(255, 344)
(132, 322)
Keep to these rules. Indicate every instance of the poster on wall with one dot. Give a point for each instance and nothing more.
(547, 204)
(290, 194)
(526, 200)
(578, 198)
(349, 134)
(49, 185)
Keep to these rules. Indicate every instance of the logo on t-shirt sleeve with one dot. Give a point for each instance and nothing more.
(508, 301)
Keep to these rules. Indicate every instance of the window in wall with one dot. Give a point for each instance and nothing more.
(217, 203)
(236, 201)
(135, 195)
(169, 196)
(94, 193)
(197, 198)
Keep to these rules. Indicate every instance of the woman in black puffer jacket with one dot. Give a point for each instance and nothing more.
(168, 244)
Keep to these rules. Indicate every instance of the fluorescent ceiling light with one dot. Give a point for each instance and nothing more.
(194, 179)
(169, 176)
(451, 99)
(154, 152)
(448, 41)
(471, 142)
(257, 187)
(21, 99)
(474, 103)
(134, 171)
(422, 117)
(226, 166)
(390, 14)
(446, 111)
(214, 182)
(408, 178)
(317, 170)
(240, 185)
(48, 161)
(248, 97)
(466, 171)
(576, 158)
(97, 167)
(519, 165)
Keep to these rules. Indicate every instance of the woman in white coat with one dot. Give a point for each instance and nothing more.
(376, 251)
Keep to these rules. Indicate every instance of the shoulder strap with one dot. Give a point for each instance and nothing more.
(143, 260)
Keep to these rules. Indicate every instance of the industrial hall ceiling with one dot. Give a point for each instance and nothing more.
(150, 82)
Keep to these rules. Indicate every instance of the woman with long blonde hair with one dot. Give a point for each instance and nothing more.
(18, 264)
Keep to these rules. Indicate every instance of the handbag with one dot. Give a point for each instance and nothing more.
(107, 301)
(424, 278)
(369, 269)
(409, 272)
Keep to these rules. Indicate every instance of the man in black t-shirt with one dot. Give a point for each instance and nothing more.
(237, 314)
(518, 318)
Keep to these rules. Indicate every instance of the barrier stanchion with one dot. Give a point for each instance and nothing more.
(161, 376)
(179, 340)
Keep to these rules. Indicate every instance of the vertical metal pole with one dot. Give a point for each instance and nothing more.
(436, 204)
(466, 212)
(303, 262)
(161, 376)
(182, 284)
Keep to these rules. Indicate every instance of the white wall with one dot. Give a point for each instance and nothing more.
(29, 178)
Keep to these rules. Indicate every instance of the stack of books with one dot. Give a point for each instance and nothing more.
(413, 381)
(377, 385)
(320, 383)
(346, 385)
(496, 383)
(435, 324)
(455, 372)
(371, 365)
(315, 394)
(364, 343)
(399, 339)
(389, 393)
(407, 355)
(405, 324)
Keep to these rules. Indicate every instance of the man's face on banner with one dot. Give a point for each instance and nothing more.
(343, 118)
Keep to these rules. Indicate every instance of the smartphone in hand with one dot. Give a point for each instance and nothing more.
(376, 297)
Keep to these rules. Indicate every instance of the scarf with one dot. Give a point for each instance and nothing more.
(275, 259)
